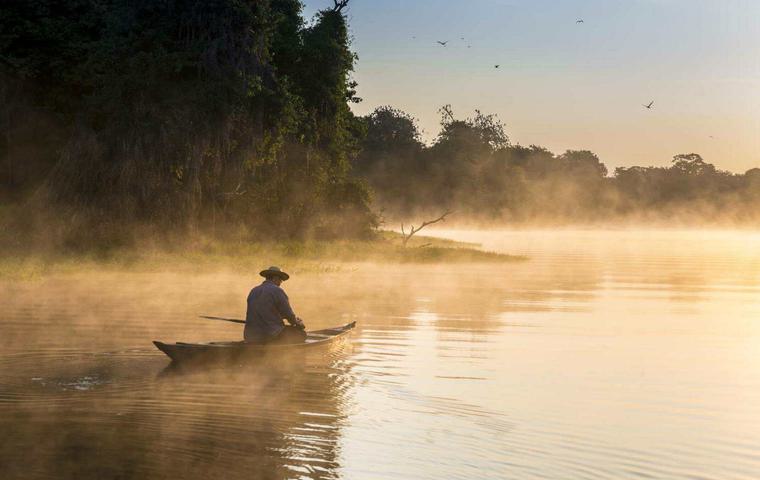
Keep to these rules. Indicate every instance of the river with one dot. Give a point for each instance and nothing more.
(606, 354)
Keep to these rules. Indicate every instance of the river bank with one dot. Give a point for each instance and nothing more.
(207, 254)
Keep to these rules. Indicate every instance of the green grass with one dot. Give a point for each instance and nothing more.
(205, 254)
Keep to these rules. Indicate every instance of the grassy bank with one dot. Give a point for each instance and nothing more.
(205, 254)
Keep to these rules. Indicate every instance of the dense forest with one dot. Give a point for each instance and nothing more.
(124, 116)
(179, 114)
(472, 168)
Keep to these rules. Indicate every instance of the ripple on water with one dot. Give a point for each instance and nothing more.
(590, 360)
(241, 419)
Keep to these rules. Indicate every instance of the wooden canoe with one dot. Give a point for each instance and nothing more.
(182, 352)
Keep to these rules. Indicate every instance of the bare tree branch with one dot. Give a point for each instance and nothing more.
(340, 5)
(447, 112)
(424, 224)
(236, 192)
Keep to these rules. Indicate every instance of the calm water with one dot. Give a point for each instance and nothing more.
(606, 355)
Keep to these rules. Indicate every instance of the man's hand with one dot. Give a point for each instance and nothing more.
(300, 324)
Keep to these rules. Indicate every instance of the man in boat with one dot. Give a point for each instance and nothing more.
(268, 305)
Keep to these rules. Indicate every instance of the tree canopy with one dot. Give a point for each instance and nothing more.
(184, 113)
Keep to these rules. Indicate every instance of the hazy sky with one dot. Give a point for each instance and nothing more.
(564, 85)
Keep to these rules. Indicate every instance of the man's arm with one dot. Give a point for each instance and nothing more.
(283, 305)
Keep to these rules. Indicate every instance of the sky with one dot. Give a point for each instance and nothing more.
(566, 85)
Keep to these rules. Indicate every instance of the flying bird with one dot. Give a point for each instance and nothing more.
(649, 107)
(442, 43)
(495, 66)
(580, 20)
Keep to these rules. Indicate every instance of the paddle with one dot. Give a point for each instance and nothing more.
(233, 320)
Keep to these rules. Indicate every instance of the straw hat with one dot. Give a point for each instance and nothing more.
(274, 271)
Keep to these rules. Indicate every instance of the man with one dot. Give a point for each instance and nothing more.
(267, 306)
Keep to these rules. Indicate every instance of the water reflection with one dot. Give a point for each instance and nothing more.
(607, 355)
(105, 418)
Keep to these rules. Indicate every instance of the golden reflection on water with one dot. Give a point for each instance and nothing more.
(607, 355)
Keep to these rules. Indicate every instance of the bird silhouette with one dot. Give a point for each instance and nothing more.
(580, 20)
(649, 107)
(442, 43)
(496, 66)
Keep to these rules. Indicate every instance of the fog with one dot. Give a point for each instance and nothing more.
(636, 343)
(154, 156)
(474, 169)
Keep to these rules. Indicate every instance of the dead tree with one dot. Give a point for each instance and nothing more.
(413, 230)
(340, 5)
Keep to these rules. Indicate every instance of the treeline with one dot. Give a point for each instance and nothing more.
(472, 168)
(136, 117)
(179, 114)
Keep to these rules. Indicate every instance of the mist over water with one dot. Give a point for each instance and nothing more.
(607, 354)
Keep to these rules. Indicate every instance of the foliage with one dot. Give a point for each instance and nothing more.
(185, 113)
(123, 118)
(473, 169)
